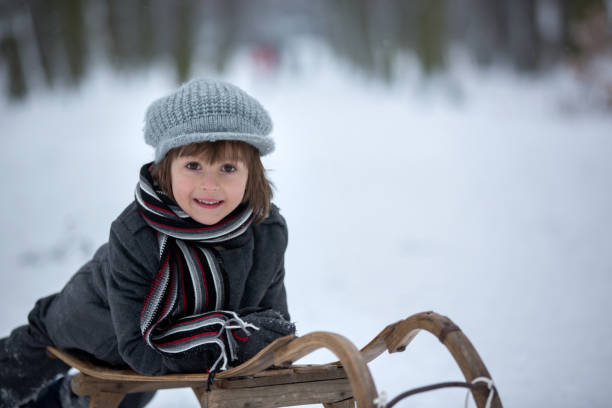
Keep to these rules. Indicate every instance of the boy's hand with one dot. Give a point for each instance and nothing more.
(271, 324)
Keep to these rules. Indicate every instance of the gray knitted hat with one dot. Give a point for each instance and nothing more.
(204, 110)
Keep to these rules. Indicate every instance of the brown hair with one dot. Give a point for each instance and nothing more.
(258, 193)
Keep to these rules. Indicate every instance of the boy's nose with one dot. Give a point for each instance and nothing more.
(209, 182)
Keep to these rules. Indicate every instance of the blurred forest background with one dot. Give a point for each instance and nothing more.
(456, 150)
(50, 43)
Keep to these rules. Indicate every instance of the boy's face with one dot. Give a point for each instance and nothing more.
(208, 192)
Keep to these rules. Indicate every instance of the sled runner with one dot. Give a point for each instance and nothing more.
(270, 379)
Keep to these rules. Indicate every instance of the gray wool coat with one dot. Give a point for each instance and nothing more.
(98, 311)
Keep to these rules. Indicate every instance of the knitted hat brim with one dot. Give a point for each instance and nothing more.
(263, 144)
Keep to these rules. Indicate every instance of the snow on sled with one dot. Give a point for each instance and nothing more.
(270, 379)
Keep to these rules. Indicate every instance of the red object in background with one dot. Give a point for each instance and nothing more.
(265, 57)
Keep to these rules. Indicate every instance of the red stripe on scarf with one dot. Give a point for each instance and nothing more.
(158, 208)
(189, 229)
(238, 337)
(187, 338)
(154, 286)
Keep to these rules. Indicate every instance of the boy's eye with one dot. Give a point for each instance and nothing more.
(228, 168)
(193, 166)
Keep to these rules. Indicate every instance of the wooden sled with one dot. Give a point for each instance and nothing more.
(270, 379)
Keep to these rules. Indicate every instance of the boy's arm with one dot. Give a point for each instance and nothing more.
(133, 271)
(273, 321)
(276, 295)
(269, 309)
(272, 239)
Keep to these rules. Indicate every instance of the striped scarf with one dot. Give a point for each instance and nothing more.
(183, 310)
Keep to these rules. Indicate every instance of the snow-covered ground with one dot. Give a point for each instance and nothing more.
(482, 195)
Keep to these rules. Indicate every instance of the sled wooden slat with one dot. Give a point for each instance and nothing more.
(261, 361)
(300, 393)
(284, 376)
(270, 379)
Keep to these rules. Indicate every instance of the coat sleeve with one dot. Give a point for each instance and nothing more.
(276, 295)
(277, 236)
(133, 267)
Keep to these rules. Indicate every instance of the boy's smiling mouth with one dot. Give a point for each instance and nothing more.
(208, 203)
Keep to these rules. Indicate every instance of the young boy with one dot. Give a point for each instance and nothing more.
(192, 276)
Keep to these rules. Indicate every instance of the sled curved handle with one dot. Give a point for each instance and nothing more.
(397, 336)
(356, 368)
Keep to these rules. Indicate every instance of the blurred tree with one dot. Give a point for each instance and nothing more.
(349, 33)
(483, 27)
(526, 41)
(45, 27)
(226, 13)
(405, 34)
(573, 13)
(183, 47)
(431, 37)
(74, 37)
(9, 49)
(146, 41)
(113, 33)
(523, 33)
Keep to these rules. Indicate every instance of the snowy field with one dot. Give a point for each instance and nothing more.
(484, 196)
